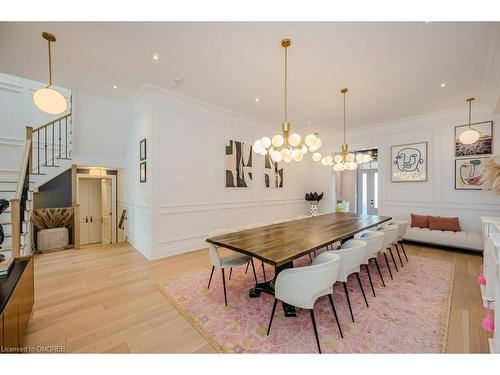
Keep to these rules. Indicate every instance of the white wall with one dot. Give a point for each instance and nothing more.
(186, 176)
(437, 196)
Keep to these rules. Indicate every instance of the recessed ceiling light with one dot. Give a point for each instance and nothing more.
(177, 82)
(115, 87)
(257, 100)
(309, 122)
(443, 84)
(156, 57)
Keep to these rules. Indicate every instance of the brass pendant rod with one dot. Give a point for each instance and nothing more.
(344, 117)
(286, 83)
(50, 66)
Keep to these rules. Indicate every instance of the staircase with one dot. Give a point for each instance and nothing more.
(47, 153)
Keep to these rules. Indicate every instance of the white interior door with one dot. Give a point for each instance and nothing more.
(368, 192)
(83, 197)
(95, 211)
(106, 213)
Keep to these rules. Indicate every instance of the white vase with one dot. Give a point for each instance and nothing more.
(314, 209)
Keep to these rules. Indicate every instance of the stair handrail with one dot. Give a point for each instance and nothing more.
(15, 203)
(52, 122)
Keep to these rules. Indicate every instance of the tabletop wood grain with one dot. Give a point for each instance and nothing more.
(281, 243)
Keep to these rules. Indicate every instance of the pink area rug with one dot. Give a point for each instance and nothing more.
(410, 315)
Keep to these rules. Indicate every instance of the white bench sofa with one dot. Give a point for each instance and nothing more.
(462, 240)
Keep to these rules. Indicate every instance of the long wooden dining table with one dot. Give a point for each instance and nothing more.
(280, 244)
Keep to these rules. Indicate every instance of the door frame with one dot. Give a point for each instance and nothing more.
(359, 190)
(114, 228)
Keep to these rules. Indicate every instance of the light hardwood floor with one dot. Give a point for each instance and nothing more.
(105, 299)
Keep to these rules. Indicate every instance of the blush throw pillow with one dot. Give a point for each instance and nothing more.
(419, 221)
(444, 223)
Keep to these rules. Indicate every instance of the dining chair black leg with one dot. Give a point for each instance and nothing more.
(264, 271)
(253, 269)
(399, 255)
(224, 285)
(310, 257)
(404, 251)
(230, 272)
(348, 301)
(246, 270)
(380, 273)
(335, 313)
(393, 260)
(370, 278)
(315, 330)
(272, 315)
(211, 274)
(389, 267)
(361, 287)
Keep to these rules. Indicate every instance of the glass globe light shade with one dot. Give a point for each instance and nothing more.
(338, 158)
(297, 154)
(263, 152)
(286, 153)
(367, 158)
(324, 161)
(349, 157)
(313, 148)
(329, 158)
(50, 101)
(350, 166)
(304, 149)
(359, 158)
(278, 140)
(288, 158)
(339, 167)
(257, 146)
(310, 140)
(316, 156)
(276, 156)
(266, 142)
(294, 139)
(469, 137)
(318, 143)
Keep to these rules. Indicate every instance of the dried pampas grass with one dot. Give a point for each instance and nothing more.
(491, 177)
(47, 218)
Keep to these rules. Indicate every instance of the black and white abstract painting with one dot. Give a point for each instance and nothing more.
(484, 144)
(409, 162)
(273, 174)
(238, 164)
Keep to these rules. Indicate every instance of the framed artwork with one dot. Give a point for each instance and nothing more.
(142, 149)
(142, 172)
(468, 173)
(273, 174)
(238, 164)
(484, 146)
(409, 162)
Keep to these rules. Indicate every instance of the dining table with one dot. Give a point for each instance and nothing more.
(281, 243)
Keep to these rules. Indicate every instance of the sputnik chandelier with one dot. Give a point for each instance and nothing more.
(344, 160)
(286, 146)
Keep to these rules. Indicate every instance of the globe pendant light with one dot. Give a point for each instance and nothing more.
(47, 99)
(471, 135)
(286, 146)
(345, 160)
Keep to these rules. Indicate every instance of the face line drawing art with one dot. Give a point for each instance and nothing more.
(408, 160)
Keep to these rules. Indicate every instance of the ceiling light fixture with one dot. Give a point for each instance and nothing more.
(344, 160)
(115, 87)
(471, 135)
(286, 146)
(156, 57)
(443, 84)
(257, 100)
(47, 99)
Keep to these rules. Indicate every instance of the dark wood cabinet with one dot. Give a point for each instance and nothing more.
(17, 298)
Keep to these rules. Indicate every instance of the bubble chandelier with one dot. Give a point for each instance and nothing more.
(286, 146)
(344, 160)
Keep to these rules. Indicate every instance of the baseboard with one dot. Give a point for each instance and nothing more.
(443, 247)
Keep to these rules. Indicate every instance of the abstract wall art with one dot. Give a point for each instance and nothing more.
(238, 164)
(409, 162)
(273, 174)
(468, 173)
(482, 147)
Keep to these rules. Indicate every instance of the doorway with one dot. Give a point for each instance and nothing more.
(367, 187)
(95, 197)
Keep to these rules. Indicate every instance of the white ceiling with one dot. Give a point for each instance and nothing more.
(393, 70)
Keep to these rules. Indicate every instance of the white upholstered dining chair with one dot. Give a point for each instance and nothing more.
(352, 254)
(390, 237)
(374, 242)
(302, 286)
(227, 261)
(403, 226)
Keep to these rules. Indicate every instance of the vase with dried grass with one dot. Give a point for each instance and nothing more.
(491, 175)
